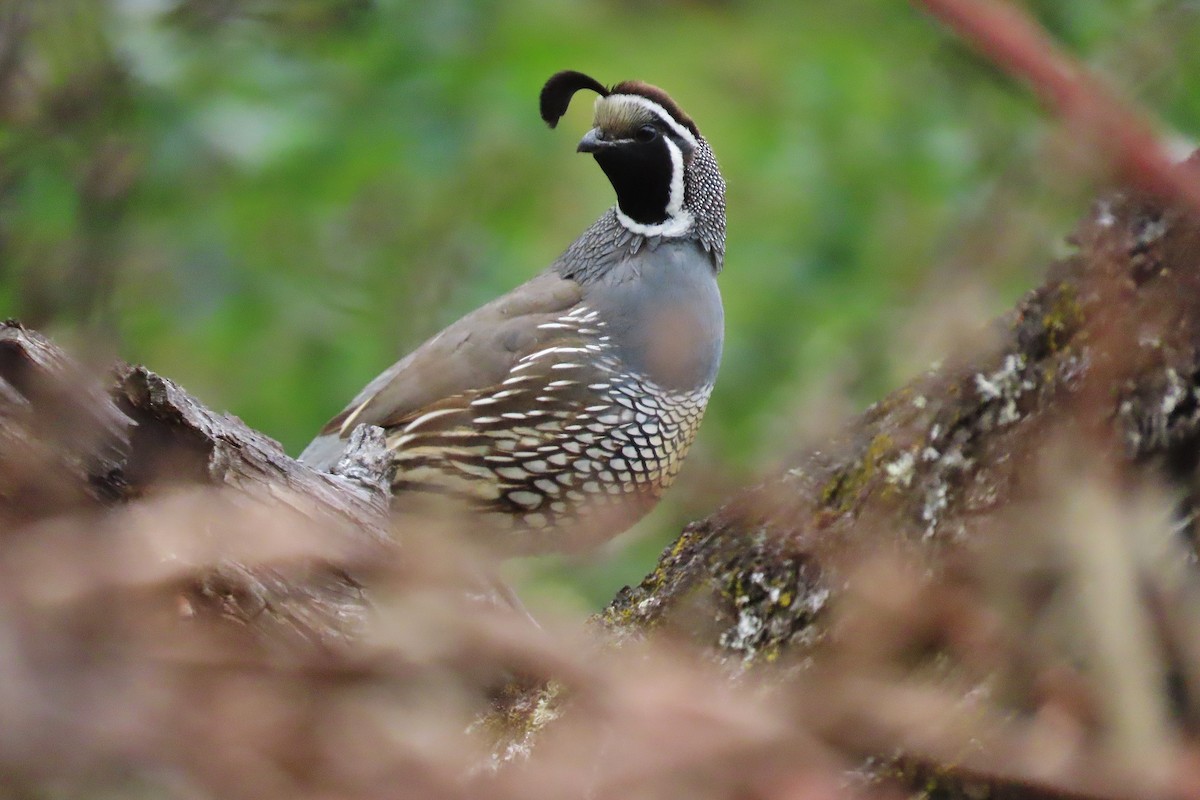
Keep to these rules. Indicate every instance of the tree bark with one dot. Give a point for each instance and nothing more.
(1106, 353)
(75, 441)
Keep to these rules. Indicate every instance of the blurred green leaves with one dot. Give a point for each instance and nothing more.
(272, 200)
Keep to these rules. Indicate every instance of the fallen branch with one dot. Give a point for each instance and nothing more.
(73, 445)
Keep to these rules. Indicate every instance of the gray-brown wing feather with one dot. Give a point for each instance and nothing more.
(470, 355)
(569, 434)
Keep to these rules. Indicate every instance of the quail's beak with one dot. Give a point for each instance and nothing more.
(592, 142)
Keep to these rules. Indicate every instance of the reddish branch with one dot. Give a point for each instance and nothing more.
(1015, 42)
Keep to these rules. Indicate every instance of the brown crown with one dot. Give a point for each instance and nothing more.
(658, 96)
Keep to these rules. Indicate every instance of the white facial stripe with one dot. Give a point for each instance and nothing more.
(659, 111)
(675, 199)
(678, 221)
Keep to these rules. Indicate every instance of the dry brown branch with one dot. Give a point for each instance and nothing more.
(77, 447)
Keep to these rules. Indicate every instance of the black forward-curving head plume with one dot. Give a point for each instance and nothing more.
(558, 91)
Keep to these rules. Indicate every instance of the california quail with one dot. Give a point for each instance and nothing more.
(563, 409)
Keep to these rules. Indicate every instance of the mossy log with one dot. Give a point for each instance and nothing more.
(1108, 347)
(1102, 362)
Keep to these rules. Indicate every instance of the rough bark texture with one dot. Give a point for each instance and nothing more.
(1108, 347)
(71, 443)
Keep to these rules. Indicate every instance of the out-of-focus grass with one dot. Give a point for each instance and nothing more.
(313, 188)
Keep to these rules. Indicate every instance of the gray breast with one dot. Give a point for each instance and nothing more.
(663, 310)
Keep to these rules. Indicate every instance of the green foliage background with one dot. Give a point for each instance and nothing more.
(271, 200)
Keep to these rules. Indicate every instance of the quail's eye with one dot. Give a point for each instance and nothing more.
(646, 133)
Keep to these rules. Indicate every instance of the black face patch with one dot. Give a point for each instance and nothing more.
(640, 173)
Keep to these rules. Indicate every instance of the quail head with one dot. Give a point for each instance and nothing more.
(560, 412)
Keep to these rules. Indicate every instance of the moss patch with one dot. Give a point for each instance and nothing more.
(1063, 318)
(850, 484)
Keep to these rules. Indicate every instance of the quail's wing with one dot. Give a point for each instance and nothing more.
(470, 355)
(567, 434)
